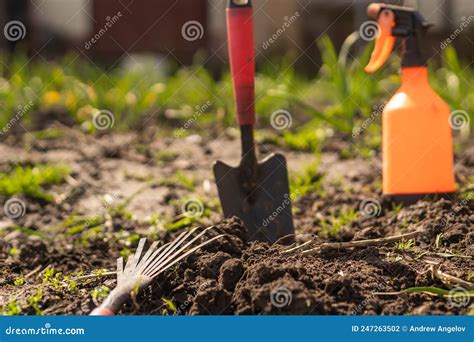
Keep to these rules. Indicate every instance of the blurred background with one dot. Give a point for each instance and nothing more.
(155, 26)
(163, 59)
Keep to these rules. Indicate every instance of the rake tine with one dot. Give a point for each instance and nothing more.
(182, 236)
(178, 242)
(152, 257)
(132, 261)
(138, 253)
(119, 270)
(147, 254)
(164, 262)
(148, 257)
(127, 267)
(165, 258)
(157, 272)
(163, 250)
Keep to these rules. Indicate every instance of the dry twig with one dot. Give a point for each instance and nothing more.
(353, 244)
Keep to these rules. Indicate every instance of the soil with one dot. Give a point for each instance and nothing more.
(231, 276)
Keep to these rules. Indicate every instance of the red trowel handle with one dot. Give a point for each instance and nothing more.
(242, 58)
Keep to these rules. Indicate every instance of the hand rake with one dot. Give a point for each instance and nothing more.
(139, 272)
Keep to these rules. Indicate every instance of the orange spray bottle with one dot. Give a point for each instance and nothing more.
(417, 139)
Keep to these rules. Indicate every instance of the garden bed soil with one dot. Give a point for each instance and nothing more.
(232, 275)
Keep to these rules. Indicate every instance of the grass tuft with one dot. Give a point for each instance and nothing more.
(29, 181)
(309, 180)
(331, 226)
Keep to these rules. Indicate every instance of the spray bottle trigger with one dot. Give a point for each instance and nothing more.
(385, 41)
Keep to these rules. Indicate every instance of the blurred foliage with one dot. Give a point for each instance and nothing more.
(453, 81)
(342, 97)
(344, 94)
(29, 181)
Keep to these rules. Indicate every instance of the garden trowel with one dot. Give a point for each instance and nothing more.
(256, 192)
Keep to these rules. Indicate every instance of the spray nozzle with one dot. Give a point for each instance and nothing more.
(397, 22)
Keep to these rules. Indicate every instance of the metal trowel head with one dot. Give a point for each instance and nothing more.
(266, 211)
